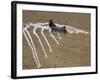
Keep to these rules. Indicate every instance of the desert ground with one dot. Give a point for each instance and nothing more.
(73, 50)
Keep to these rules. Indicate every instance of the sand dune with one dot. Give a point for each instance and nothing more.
(73, 50)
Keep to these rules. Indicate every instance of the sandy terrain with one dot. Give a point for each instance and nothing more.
(73, 50)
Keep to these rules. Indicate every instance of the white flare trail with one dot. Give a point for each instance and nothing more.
(31, 44)
(46, 40)
(58, 35)
(53, 37)
(34, 32)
